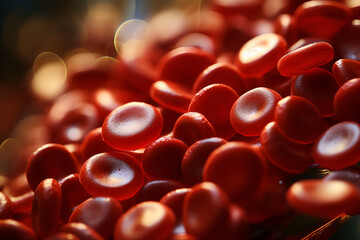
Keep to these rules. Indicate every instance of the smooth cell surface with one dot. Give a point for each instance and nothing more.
(260, 54)
(324, 199)
(112, 174)
(347, 101)
(339, 146)
(132, 126)
(148, 220)
(253, 110)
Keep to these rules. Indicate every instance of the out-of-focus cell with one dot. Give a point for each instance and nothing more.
(81, 230)
(324, 199)
(322, 18)
(11, 229)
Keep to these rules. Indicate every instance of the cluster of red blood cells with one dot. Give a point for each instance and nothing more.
(202, 135)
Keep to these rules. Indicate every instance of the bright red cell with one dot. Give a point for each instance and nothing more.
(215, 102)
(98, 213)
(345, 70)
(347, 101)
(183, 236)
(298, 119)
(224, 73)
(45, 214)
(253, 110)
(132, 126)
(112, 174)
(11, 229)
(305, 58)
(205, 210)
(283, 153)
(81, 230)
(191, 127)
(73, 193)
(171, 95)
(183, 65)
(319, 87)
(49, 161)
(322, 18)
(148, 220)
(236, 167)
(192, 165)
(154, 190)
(324, 199)
(339, 146)
(260, 54)
(162, 159)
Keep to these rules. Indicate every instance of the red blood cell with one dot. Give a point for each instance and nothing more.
(6, 206)
(156, 189)
(345, 70)
(304, 58)
(319, 87)
(215, 102)
(202, 41)
(46, 208)
(224, 73)
(49, 161)
(73, 193)
(260, 54)
(351, 175)
(347, 101)
(324, 199)
(195, 157)
(346, 41)
(253, 110)
(205, 210)
(71, 117)
(148, 220)
(191, 127)
(17, 186)
(132, 126)
(171, 95)
(92, 145)
(63, 236)
(248, 8)
(298, 119)
(192, 61)
(137, 74)
(284, 25)
(11, 229)
(322, 18)
(107, 99)
(98, 213)
(233, 166)
(162, 159)
(175, 200)
(112, 174)
(81, 230)
(339, 146)
(283, 153)
(238, 225)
